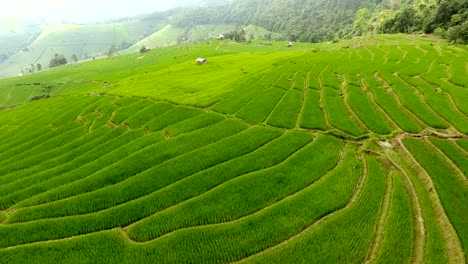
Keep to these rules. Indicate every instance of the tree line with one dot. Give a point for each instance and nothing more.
(328, 20)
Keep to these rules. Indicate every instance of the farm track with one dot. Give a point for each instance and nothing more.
(397, 98)
(452, 241)
(381, 224)
(385, 55)
(305, 93)
(265, 122)
(354, 116)
(256, 96)
(419, 232)
(371, 53)
(405, 53)
(464, 151)
(431, 65)
(322, 105)
(454, 167)
(423, 100)
(449, 95)
(378, 108)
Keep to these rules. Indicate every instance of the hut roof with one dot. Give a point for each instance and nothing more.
(201, 60)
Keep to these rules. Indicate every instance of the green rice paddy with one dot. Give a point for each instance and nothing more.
(354, 152)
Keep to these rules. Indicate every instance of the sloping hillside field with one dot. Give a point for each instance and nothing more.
(355, 152)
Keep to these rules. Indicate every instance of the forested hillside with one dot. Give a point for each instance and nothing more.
(292, 20)
(324, 20)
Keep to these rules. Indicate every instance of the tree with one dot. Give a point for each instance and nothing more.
(444, 13)
(74, 58)
(361, 22)
(39, 67)
(456, 20)
(404, 20)
(453, 34)
(58, 60)
(238, 35)
(440, 32)
(464, 32)
(144, 49)
(112, 50)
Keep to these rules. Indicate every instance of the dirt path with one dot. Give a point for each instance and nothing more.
(80, 120)
(322, 105)
(460, 175)
(424, 102)
(111, 124)
(449, 96)
(390, 89)
(452, 241)
(166, 134)
(381, 225)
(256, 96)
(291, 87)
(405, 53)
(125, 126)
(419, 232)
(354, 116)
(305, 93)
(91, 126)
(377, 107)
(371, 53)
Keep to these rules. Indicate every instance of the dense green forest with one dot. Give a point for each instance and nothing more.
(325, 20)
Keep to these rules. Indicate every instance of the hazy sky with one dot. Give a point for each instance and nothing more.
(81, 10)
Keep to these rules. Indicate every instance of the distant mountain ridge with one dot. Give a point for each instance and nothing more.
(295, 20)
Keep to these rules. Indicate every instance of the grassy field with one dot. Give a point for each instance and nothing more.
(84, 41)
(353, 152)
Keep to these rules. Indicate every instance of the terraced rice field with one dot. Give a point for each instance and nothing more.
(355, 152)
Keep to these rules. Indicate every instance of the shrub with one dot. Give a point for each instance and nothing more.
(440, 32)
(58, 60)
(144, 49)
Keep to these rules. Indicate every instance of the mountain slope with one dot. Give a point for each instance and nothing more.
(166, 36)
(84, 41)
(305, 21)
